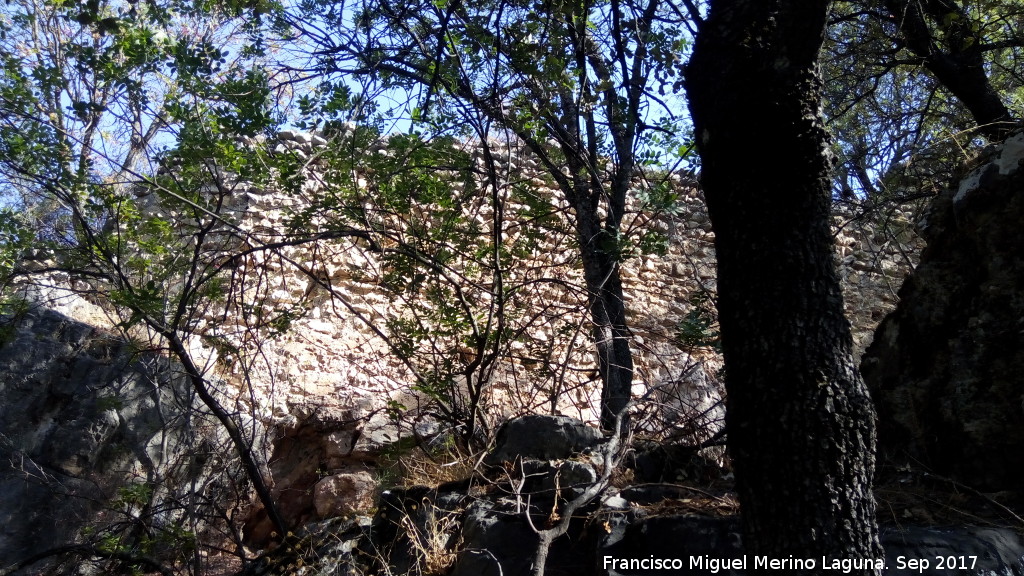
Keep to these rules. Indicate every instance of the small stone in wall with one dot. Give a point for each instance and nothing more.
(377, 434)
(344, 493)
(338, 444)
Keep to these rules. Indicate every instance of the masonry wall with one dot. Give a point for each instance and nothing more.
(333, 355)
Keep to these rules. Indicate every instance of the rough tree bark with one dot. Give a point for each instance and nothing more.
(801, 425)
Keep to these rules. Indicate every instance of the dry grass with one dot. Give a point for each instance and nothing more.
(698, 502)
(417, 467)
(432, 533)
(438, 545)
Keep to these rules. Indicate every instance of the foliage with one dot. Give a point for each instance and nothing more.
(699, 328)
(15, 240)
(12, 309)
(120, 544)
(129, 131)
(88, 93)
(452, 244)
(581, 86)
(119, 122)
(900, 130)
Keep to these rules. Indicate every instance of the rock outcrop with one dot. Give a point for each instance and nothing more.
(541, 437)
(946, 367)
(487, 526)
(98, 438)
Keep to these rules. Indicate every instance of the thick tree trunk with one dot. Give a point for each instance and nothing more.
(800, 422)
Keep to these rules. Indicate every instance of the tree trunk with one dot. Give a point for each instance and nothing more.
(600, 254)
(801, 426)
(608, 314)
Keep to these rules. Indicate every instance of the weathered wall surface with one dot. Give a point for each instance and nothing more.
(333, 356)
(332, 352)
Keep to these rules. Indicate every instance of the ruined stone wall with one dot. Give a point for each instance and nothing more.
(326, 383)
(333, 353)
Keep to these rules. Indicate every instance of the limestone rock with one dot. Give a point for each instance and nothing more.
(338, 445)
(84, 417)
(945, 368)
(543, 479)
(974, 550)
(505, 537)
(344, 493)
(378, 433)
